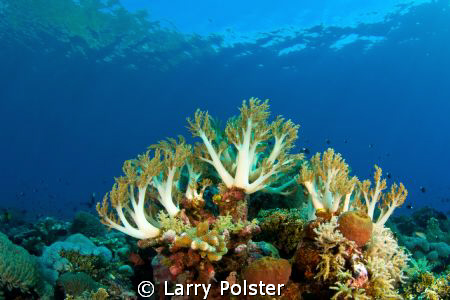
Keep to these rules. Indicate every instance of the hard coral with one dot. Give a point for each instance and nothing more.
(18, 269)
(209, 243)
(75, 284)
(426, 285)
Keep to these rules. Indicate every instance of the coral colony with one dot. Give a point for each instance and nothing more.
(191, 204)
(208, 225)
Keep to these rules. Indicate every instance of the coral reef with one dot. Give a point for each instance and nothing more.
(423, 284)
(35, 236)
(76, 243)
(340, 249)
(75, 284)
(19, 270)
(426, 234)
(180, 215)
(282, 228)
(86, 224)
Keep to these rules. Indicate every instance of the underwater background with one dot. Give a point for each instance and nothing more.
(87, 84)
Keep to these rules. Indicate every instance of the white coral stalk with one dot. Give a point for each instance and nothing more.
(227, 179)
(143, 229)
(327, 182)
(395, 198)
(164, 188)
(250, 131)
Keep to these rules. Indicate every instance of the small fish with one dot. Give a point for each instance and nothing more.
(420, 234)
(409, 206)
(370, 145)
(423, 189)
(92, 201)
(93, 198)
(327, 141)
(388, 175)
(345, 141)
(305, 150)
(6, 216)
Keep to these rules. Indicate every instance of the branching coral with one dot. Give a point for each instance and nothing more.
(347, 292)
(371, 272)
(147, 177)
(393, 199)
(334, 249)
(340, 254)
(195, 188)
(250, 134)
(425, 285)
(386, 263)
(327, 181)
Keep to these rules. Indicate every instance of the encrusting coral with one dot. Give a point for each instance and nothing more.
(282, 228)
(202, 232)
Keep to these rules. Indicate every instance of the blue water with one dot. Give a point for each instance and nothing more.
(371, 81)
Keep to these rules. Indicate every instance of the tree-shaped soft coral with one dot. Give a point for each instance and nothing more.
(327, 181)
(145, 178)
(195, 187)
(247, 138)
(175, 155)
(193, 201)
(394, 198)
